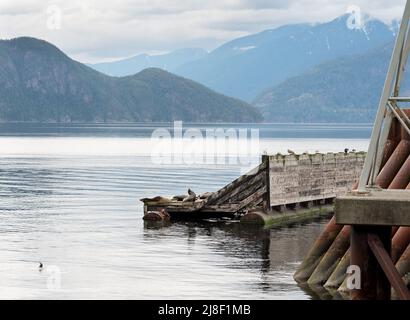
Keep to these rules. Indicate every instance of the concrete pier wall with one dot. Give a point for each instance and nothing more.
(299, 178)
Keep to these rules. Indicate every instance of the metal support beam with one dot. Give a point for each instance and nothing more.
(392, 85)
(399, 117)
(382, 142)
(400, 99)
(388, 267)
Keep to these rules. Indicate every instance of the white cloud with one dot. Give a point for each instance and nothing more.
(93, 30)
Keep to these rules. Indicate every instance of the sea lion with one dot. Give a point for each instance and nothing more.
(158, 199)
(205, 195)
(190, 198)
(179, 197)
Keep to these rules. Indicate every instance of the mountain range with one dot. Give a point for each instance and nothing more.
(169, 62)
(346, 89)
(38, 82)
(245, 67)
(296, 73)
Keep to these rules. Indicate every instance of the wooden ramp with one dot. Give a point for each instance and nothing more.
(278, 184)
(248, 191)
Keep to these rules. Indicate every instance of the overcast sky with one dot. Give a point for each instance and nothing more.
(101, 30)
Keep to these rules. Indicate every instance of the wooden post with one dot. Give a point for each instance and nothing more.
(266, 202)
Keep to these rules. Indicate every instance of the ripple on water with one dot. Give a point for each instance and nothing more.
(81, 214)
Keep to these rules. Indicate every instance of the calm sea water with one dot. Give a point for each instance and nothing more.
(69, 197)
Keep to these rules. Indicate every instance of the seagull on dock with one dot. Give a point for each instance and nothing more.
(291, 152)
(346, 150)
(40, 266)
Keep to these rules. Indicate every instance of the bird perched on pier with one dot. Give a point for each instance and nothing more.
(190, 192)
(346, 150)
(40, 266)
(291, 152)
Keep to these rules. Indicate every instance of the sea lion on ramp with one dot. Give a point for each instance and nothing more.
(191, 197)
(156, 200)
(205, 195)
(179, 197)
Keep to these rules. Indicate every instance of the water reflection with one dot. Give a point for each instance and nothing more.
(272, 254)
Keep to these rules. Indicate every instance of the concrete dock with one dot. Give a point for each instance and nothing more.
(377, 207)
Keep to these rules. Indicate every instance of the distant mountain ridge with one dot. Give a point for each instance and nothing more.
(346, 89)
(38, 82)
(247, 66)
(169, 62)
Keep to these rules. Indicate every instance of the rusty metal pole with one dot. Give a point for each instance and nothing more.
(403, 132)
(339, 274)
(343, 287)
(400, 242)
(402, 178)
(317, 251)
(374, 283)
(331, 259)
(393, 165)
(403, 265)
(392, 142)
(383, 258)
(403, 268)
(361, 257)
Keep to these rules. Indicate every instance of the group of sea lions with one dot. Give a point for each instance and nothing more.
(190, 197)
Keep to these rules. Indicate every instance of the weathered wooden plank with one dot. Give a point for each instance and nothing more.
(229, 187)
(254, 204)
(235, 193)
(217, 208)
(249, 191)
(176, 204)
(255, 196)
